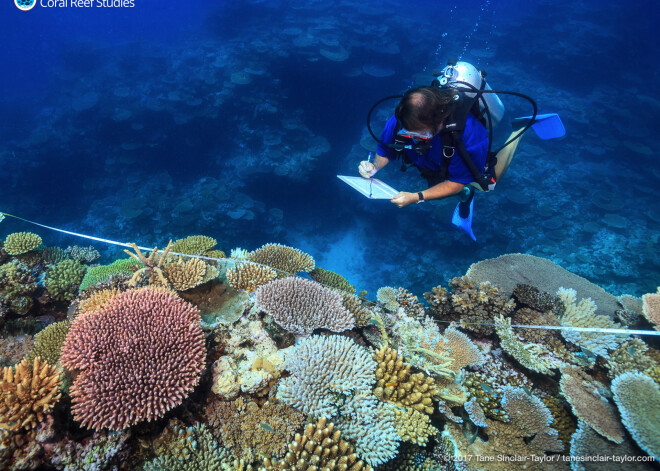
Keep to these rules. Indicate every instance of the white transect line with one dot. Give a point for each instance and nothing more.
(545, 327)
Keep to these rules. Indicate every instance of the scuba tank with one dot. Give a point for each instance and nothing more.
(463, 74)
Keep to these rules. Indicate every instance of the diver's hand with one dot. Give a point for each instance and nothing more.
(404, 198)
(367, 169)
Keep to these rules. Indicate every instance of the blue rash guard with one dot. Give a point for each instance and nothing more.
(475, 139)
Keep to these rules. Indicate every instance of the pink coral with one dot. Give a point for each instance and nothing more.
(137, 358)
(300, 306)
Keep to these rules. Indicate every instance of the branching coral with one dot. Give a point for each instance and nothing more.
(250, 276)
(394, 383)
(472, 306)
(331, 279)
(651, 308)
(413, 426)
(151, 265)
(19, 243)
(137, 358)
(285, 260)
(537, 300)
(487, 395)
(589, 405)
(102, 273)
(95, 300)
(82, 254)
(319, 447)
(354, 305)
(583, 314)
(638, 399)
(28, 392)
(386, 295)
(300, 306)
(630, 356)
(63, 280)
(14, 349)
(563, 421)
(587, 442)
(193, 245)
(409, 303)
(184, 275)
(48, 343)
(17, 285)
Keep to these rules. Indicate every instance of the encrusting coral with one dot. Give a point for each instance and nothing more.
(28, 391)
(285, 260)
(301, 306)
(638, 399)
(63, 280)
(395, 383)
(319, 447)
(589, 405)
(136, 359)
(19, 243)
(250, 276)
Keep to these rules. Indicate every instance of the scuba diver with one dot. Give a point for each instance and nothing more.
(445, 131)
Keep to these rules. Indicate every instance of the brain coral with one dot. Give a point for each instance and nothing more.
(300, 306)
(638, 399)
(137, 358)
(19, 243)
(286, 260)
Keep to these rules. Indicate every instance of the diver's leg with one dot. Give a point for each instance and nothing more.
(465, 196)
(505, 156)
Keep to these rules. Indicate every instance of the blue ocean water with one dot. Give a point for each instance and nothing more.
(148, 121)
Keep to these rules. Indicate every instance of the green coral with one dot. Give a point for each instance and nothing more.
(489, 397)
(193, 245)
(63, 280)
(191, 449)
(331, 279)
(19, 243)
(48, 343)
(16, 287)
(103, 272)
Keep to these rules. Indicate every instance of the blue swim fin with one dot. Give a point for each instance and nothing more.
(546, 126)
(464, 223)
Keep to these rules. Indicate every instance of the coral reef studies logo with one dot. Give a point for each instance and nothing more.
(25, 5)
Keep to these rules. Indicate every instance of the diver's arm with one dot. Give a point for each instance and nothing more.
(368, 169)
(441, 190)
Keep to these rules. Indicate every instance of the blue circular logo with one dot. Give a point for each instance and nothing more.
(25, 5)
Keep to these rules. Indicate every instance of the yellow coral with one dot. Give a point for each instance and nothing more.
(651, 308)
(48, 343)
(28, 392)
(395, 384)
(184, 275)
(249, 276)
(319, 447)
(19, 243)
(285, 260)
(194, 245)
(413, 426)
(97, 300)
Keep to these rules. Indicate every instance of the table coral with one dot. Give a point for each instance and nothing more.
(285, 260)
(301, 306)
(331, 279)
(193, 245)
(28, 391)
(19, 243)
(250, 276)
(183, 274)
(137, 358)
(638, 399)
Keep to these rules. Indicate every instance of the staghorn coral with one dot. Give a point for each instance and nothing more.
(63, 280)
(255, 433)
(638, 399)
(285, 260)
(301, 306)
(184, 275)
(82, 254)
(413, 426)
(151, 265)
(194, 245)
(527, 435)
(17, 286)
(589, 405)
(137, 358)
(250, 276)
(103, 273)
(28, 391)
(387, 297)
(14, 349)
(330, 279)
(530, 355)
(19, 243)
(48, 343)
(319, 447)
(395, 384)
(469, 304)
(630, 356)
(651, 308)
(587, 442)
(583, 314)
(190, 449)
(563, 421)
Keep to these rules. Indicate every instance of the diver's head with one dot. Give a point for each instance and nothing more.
(424, 109)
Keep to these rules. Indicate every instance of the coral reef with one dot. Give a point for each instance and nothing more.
(651, 308)
(17, 287)
(194, 245)
(301, 306)
(285, 260)
(319, 447)
(630, 356)
(638, 399)
(93, 300)
(386, 295)
(563, 421)
(82, 255)
(102, 273)
(14, 349)
(250, 276)
(330, 279)
(413, 426)
(48, 343)
(19, 243)
(537, 300)
(184, 275)
(152, 265)
(135, 360)
(63, 280)
(488, 396)
(354, 305)
(589, 405)
(409, 303)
